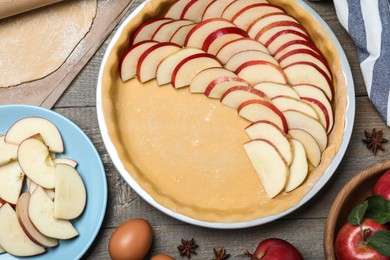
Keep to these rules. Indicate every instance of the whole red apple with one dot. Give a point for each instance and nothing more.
(276, 249)
(382, 186)
(351, 241)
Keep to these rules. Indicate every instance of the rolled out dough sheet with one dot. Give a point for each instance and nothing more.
(35, 44)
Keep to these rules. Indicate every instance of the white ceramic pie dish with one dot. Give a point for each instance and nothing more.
(349, 119)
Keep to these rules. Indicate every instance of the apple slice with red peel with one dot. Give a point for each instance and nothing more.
(41, 212)
(12, 237)
(299, 167)
(269, 165)
(262, 21)
(147, 29)
(284, 103)
(235, 96)
(297, 119)
(235, 61)
(151, 58)
(195, 9)
(28, 227)
(257, 110)
(269, 131)
(309, 73)
(239, 45)
(35, 161)
(167, 65)
(312, 150)
(198, 34)
(11, 182)
(186, 70)
(180, 35)
(219, 86)
(268, 32)
(236, 6)
(215, 9)
(218, 38)
(315, 95)
(67, 161)
(129, 60)
(248, 14)
(272, 89)
(294, 45)
(256, 71)
(29, 126)
(8, 152)
(307, 55)
(320, 110)
(282, 37)
(70, 196)
(175, 11)
(165, 31)
(203, 79)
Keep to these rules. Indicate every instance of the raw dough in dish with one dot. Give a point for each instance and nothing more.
(34, 44)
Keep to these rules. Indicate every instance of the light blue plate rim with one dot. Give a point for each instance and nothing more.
(89, 162)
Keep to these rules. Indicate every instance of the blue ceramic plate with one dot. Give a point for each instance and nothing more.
(80, 148)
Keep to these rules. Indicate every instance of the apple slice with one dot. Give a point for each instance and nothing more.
(167, 65)
(186, 70)
(236, 6)
(241, 44)
(257, 110)
(180, 35)
(29, 126)
(165, 31)
(12, 237)
(309, 73)
(8, 152)
(198, 34)
(129, 60)
(284, 103)
(298, 55)
(195, 9)
(271, 132)
(260, 71)
(282, 37)
(295, 44)
(312, 150)
(27, 225)
(321, 111)
(176, 10)
(215, 9)
(70, 196)
(272, 89)
(297, 119)
(147, 29)
(36, 163)
(235, 96)
(313, 94)
(268, 32)
(67, 161)
(248, 14)
(235, 61)
(201, 80)
(218, 38)
(219, 86)
(269, 165)
(11, 182)
(151, 58)
(262, 21)
(41, 212)
(299, 167)
(31, 186)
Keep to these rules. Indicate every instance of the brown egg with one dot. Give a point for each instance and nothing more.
(162, 257)
(131, 240)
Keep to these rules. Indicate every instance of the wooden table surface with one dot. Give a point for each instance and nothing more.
(304, 228)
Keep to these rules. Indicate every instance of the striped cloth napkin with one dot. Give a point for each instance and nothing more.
(368, 23)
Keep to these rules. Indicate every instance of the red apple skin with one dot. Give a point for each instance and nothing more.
(350, 244)
(276, 249)
(382, 186)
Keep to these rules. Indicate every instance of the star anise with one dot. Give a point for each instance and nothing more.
(187, 247)
(374, 140)
(221, 255)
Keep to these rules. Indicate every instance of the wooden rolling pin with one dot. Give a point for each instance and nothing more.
(13, 7)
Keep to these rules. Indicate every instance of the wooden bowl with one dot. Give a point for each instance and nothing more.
(352, 194)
